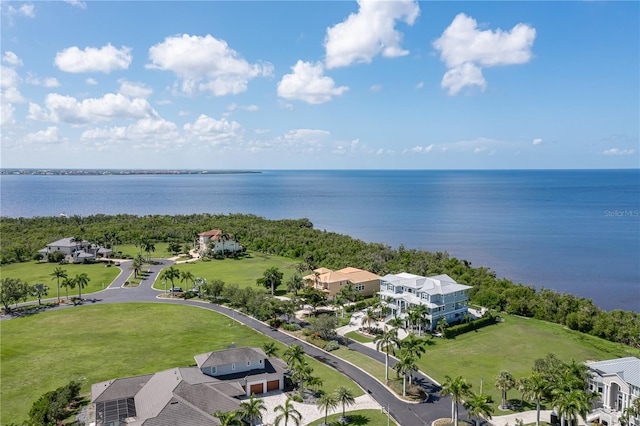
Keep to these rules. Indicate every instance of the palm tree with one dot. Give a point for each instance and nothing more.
(419, 313)
(81, 280)
(405, 366)
(68, 283)
(57, 274)
(39, 290)
(326, 402)
(300, 375)
(442, 325)
(148, 246)
(504, 382)
(537, 388)
(171, 273)
(270, 349)
(522, 384)
(271, 278)
(136, 265)
(224, 237)
(314, 383)
(397, 322)
(287, 412)
(369, 318)
(344, 396)
(295, 283)
(457, 388)
(185, 277)
(294, 356)
(228, 419)
(478, 405)
(385, 341)
(414, 347)
(572, 404)
(252, 409)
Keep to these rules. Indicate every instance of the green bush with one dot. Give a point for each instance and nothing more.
(456, 330)
(361, 305)
(331, 346)
(291, 326)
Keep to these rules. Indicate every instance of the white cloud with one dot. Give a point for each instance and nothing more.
(6, 114)
(92, 59)
(27, 10)
(252, 108)
(12, 95)
(45, 82)
(91, 82)
(422, 149)
(462, 76)
(375, 88)
(134, 90)
(216, 132)
(480, 149)
(77, 3)
(48, 136)
(67, 109)
(369, 32)
(420, 85)
(295, 140)
(147, 132)
(616, 151)
(205, 63)
(164, 102)
(8, 77)
(11, 59)
(537, 141)
(465, 49)
(353, 147)
(307, 83)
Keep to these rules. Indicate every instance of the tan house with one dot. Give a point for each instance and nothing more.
(332, 282)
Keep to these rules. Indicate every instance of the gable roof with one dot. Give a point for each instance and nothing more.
(229, 356)
(118, 388)
(356, 275)
(438, 284)
(627, 368)
(67, 242)
(212, 233)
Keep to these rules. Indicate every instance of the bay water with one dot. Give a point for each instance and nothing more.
(575, 231)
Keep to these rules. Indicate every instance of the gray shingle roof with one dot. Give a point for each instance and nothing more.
(176, 412)
(237, 355)
(118, 388)
(627, 368)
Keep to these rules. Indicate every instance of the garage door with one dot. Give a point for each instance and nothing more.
(257, 388)
(273, 385)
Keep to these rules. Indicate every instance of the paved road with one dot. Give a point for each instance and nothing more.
(406, 414)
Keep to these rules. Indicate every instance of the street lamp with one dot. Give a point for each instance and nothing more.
(165, 287)
(388, 415)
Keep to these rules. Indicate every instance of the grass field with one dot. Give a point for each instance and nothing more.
(359, 337)
(33, 272)
(161, 251)
(512, 345)
(95, 343)
(358, 417)
(242, 271)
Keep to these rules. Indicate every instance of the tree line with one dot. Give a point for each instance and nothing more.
(297, 239)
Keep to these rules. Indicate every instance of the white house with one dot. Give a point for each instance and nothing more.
(442, 296)
(75, 251)
(217, 241)
(617, 382)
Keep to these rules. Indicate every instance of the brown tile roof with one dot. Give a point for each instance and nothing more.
(212, 233)
(356, 275)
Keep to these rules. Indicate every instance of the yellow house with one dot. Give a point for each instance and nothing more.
(331, 282)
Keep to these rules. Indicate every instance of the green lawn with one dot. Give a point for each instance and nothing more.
(161, 251)
(99, 342)
(374, 368)
(358, 417)
(354, 335)
(512, 345)
(33, 272)
(243, 271)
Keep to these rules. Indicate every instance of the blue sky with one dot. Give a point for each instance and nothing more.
(320, 85)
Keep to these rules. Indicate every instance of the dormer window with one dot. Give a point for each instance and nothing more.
(248, 363)
(260, 361)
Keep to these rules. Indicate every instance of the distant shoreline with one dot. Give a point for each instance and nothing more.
(103, 172)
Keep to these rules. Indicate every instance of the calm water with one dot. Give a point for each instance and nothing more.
(573, 231)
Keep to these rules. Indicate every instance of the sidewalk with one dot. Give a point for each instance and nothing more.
(526, 417)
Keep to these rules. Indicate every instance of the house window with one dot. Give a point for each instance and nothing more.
(233, 366)
(260, 361)
(360, 287)
(248, 363)
(214, 370)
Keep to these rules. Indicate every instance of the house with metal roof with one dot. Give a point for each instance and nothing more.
(441, 295)
(188, 395)
(617, 383)
(332, 282)
(75, 251)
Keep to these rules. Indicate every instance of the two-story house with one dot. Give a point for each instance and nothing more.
(217, 241)
(441, 294)
(75, 251)
(332, 282)
(188, 396)
(617, 383)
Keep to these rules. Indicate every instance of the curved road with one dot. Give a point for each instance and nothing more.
(406, 414)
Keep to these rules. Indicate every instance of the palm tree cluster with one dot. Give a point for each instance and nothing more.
(301, 371)
(478, 405)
